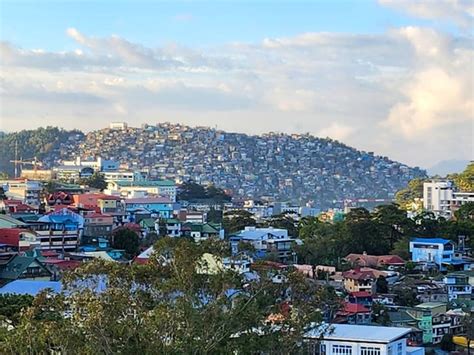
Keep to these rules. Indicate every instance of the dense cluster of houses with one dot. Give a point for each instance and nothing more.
(299, 166)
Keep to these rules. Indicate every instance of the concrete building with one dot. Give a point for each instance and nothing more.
(458, 287)
(345, 339)
(432, 251)
(159, 187)
(118, 125)
(28, 191)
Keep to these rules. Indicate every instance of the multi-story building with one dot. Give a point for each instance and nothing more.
(98, 225)
(358, 280)
(265, 241)
(346, 339)
(160, 187)
(437, 196)
(28, 191)
(60, 230)
(458, 287)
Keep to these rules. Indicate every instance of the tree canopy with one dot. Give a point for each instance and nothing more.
(191, 191)
(174, 304)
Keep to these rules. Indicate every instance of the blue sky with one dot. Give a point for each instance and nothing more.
(41, 24)
(388, 76)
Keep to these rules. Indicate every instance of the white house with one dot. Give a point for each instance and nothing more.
(458, 287)
(437, 196)
(432, 251)
(345, 339)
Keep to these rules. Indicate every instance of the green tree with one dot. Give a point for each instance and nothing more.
(407, 196)
(465, 212)
(2, 194)
(381, 285)
(11, 306)
(446, 343)
(171, 306)
(235, 221)
(96, 181)
(127, 240)
(3, 175)
(465, 180)
(380, 314)
(214, 216)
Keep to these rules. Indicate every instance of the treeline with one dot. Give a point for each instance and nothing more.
(386, 230)
(43, 143)
(192, 192)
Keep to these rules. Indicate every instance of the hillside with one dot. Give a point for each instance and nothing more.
(293, 167)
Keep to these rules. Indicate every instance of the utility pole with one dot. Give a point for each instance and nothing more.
(16, 159)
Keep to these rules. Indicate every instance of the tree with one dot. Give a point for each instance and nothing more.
(465, 180)
(465, 212)
(96, 181)
(393, 222)
(2, 194)
(235, 221)
(380, 314)
(190, 190)
(171, 305)
(214, 216)
(127, 240)
(408, 195)
(446, 343)
(3, 175)
(381, 285)
(12, 305)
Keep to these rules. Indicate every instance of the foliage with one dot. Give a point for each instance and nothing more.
(167, 307)
(235, 221)
(191, 191)
(127, 240)
(150, 239)
(12, 305)
(2, 194)
(465, 180)
(381, 285)
(380, 314)
(3, 175)
(284, 221)
(214, 216)
(446, 343)
(96, 181)
(465, 212)
(44, 143)
(414, 190)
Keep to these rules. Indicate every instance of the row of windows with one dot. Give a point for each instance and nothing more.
(368, 350)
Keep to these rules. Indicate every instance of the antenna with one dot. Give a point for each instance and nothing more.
(16, 158)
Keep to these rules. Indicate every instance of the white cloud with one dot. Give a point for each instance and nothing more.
(379, 92)
(459, 12)
(337, 131)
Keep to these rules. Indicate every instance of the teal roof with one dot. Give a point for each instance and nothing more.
(146, 183)
(173, 220)
(17, 266)
(9, 222)
(147, 222)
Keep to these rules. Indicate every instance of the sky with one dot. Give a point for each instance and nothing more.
(390, 76)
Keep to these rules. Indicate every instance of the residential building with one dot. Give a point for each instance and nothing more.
(23, 267)
(98, 225)
(19, 238)
(375, 261)
(437, 196)
(359, 281)
(458, 287)
(440, 253)
(162, 207)
(27, 191)
(346, 339)
(118, 125)
(265, 240)
(202, 231)
(354, 313)
(165, 188)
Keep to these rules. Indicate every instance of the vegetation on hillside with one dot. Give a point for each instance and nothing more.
(43, 143)
(175, 304)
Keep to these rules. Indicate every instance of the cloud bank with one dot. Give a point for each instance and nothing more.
(406, 93)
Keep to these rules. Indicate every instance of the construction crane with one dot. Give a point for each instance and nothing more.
(35, 163)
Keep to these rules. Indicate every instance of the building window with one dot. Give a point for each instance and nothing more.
(399, 349)
(368, 350)
(342, 349)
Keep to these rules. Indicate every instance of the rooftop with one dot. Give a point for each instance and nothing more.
(366, 333)
(431, 240)
(147, 183)
(28, 287)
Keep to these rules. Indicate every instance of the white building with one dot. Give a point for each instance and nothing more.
(100, 164)
(122, 175)
(166, 188)
(345, 339)
(118, 125)
(437, 196)
(435, 251)
(458, 287)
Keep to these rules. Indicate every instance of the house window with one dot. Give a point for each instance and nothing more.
(399, 349)
(342, 349)
(368, 350)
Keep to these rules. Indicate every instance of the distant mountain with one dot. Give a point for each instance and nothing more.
(296, 167)
(446, 167)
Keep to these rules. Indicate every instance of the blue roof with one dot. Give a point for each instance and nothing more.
(30, 287)
(432, 240)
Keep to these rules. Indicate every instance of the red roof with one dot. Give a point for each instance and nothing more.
(63, 264)
(360, 294)
(374, 260)
(10, 236)
(96, 215)
(353, 308)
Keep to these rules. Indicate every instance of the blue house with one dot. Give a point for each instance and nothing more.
(161, 206)
(438, 252)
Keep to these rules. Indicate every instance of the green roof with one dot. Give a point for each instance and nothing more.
(146, 183)
(10, 222)
(147, 222)
(17, 266)
(173, 220)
